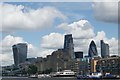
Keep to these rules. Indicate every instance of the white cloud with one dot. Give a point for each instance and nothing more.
(83, 33)
(7, 43)
(80, 30)
(18, 17)
(7, 53)
(52, 41)
(106, 11)
(6, 46)
(113, 43)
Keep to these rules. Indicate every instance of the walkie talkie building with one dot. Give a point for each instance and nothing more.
(19, 53)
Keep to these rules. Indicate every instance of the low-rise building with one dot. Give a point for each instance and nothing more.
(109, 65)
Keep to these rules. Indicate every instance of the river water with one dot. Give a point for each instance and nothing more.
(53, 78)
(25, 78)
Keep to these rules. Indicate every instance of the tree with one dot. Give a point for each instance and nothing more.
(32, 69)
(47, 71)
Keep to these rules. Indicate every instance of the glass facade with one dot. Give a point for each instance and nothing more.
(104, 49)
(19, 53)
(92, 50)
(68, 45)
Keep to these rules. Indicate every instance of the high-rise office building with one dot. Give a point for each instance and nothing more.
(68, 45)
(19, 53)
(79, 54)
(92, 49)
(104, 49)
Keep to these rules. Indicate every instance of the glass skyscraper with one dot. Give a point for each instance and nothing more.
(68, 45)
(104, 49)
(19, 53)
(92, 49)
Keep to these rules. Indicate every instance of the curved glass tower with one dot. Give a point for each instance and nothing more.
(19, 53)
(92, 49)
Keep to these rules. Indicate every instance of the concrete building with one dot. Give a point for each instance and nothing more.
(84, 66)
(58, 61)
(68, 45)
(92, 49)
(104, 49)
(19, 53)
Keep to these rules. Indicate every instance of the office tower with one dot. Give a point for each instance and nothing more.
(19, 53)
(78, 54)
(92, 49)
(68, 45)
(104, 49)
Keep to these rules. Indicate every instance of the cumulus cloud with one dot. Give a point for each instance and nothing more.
(80, 30)
(106, 10)
(113, 43)
(19, 17)
(83, 33)
(6, 44)
(7, 53)
(6, 49)
(52, 41)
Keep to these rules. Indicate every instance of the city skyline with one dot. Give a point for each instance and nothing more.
(45, 24)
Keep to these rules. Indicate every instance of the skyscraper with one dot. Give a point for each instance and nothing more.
(104, 49)
(92, 49)
(19, 53)
(68, 45)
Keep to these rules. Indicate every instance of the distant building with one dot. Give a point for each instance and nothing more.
(68, 45)
(78, 54)
(19, 53)
(109, 65)
(31, 60)
(92, 49)
(84, 66)
(104, 49)
(93, 63)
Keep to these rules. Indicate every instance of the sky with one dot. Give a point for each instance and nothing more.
(42, 25)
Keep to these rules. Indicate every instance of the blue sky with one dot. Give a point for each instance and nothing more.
(43, 26)
(74, 11)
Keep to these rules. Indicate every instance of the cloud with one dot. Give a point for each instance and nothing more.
(7, 53)
(52, 41)
(83, 33)
(19, 17)
(6, 46)
(113, 43)
(106, 11)
(79, 29)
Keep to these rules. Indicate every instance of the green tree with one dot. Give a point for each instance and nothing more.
(47, 71)
(32, 69)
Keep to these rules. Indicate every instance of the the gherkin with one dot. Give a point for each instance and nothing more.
(92, 49)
